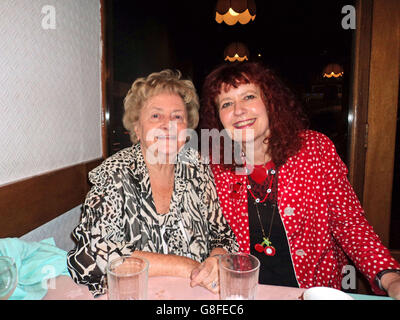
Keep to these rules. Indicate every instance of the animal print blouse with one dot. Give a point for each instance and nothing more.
(119, 216)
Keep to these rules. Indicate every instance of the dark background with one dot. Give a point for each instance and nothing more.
(296, 38)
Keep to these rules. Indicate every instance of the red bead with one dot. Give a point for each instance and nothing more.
(259, 247)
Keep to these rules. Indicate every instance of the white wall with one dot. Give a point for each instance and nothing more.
(50, 86)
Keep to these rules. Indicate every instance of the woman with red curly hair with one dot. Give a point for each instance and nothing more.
(292, 206)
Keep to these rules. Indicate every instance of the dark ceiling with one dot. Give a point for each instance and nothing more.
(296, 38)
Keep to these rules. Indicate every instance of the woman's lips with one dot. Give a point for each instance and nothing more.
(244, 123)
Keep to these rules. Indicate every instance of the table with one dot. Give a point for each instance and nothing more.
(173, 288)
(164, 288)
(169, 299)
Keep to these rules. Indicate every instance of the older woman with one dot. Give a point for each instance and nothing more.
(156, 199)
(294, 209)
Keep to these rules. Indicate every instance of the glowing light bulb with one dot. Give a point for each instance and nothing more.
(233, 12)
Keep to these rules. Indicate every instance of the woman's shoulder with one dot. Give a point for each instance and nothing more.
(317, 149)
(224, 173)
(314, 140)
(120, 161)
(201, 167)
(311, 136)
(196, 163)
(218, 168)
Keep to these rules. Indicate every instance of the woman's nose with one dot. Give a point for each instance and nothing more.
(168, 126)
(238, 108)
(165, 123)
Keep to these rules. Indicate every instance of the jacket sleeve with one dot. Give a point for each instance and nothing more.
(221, 233)
(99, 237)
(348, 223)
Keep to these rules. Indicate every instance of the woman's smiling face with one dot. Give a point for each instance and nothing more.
(161, 122)
(243, 113)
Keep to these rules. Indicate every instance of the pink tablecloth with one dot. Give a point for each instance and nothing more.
(165, 288)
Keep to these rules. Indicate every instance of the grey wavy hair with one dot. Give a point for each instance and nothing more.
(155, 83)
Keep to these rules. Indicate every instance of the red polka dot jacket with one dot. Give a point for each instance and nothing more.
(322, 216)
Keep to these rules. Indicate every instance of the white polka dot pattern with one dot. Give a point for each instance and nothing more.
(323, 218)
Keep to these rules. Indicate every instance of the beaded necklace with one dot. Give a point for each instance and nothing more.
(259, 175)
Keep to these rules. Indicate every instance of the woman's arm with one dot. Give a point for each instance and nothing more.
(96, 238)
(221, 234)
(348, 223)
(167, 264)
(96, 245)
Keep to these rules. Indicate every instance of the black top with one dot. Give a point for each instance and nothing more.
(277, 269)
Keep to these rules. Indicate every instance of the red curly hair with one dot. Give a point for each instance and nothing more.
(285, 113)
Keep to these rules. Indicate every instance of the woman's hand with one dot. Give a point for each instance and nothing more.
(391, 283)
(206, 275)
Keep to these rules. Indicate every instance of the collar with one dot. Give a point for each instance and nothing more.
(131, 161)
(186, 163)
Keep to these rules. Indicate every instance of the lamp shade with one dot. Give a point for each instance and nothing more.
(236, 51)
(333, 70)
(233, 11)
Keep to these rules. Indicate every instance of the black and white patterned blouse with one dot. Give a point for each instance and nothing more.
(119, 216)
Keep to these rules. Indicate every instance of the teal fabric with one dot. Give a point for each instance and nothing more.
(36, 262)
(369, 297)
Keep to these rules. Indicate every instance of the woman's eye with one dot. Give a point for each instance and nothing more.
(249, 97)
(155, 116)
(178, 117)
(226, 105)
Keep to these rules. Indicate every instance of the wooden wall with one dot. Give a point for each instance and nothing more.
(382, 111)
(374, 108)
(374, 104)
(27, 204)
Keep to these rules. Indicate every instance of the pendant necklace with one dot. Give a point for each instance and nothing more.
(269, 250)
(265, 245)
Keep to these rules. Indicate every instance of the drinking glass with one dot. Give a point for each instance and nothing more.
(127, 278)
(238, 274)
(8, 277)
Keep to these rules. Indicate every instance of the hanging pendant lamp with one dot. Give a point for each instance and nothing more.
(333, 70)
(233, 11)
(236, 51)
